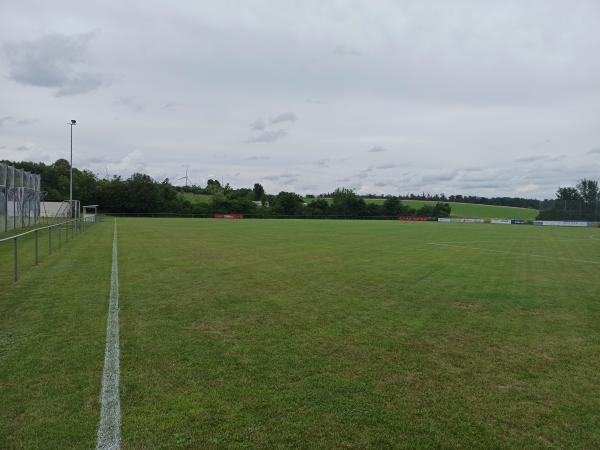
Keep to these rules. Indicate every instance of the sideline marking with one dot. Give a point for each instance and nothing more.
(586, 261)
(109, 430)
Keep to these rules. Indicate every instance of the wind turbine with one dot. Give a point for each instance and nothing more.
(186, 176)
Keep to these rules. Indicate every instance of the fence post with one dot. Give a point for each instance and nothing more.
(16, 258)
(37, 252)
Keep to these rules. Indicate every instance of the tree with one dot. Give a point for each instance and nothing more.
(259, 191)
(568, 194)
(287, 203)
(346, 202)
(588, 190)
(319, 207)
(441, 210)
(213, 186)
(392, 206)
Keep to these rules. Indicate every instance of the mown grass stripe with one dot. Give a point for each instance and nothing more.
(109, 430)
(506, 252)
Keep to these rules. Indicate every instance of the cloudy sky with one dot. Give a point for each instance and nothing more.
(473, 97)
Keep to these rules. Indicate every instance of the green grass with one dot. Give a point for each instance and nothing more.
(311, 334)
(469, 210)
(194, 198)
(52, 331)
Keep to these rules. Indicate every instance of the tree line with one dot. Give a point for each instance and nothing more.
(140, 193)
(579, 202)
(340, 203)
(518, 202)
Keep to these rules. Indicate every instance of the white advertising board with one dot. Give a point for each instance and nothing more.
(563, 223)
(501, 221)
(459, 220)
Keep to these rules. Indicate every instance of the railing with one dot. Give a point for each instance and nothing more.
(56, 233)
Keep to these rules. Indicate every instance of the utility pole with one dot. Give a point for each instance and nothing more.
(72, 124)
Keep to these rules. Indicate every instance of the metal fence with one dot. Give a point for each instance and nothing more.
(20, 197)
(29, 248)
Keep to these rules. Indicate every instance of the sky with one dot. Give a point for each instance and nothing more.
(464, 97)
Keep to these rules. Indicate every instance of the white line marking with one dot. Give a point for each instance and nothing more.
(513, 240)
(109, 430)
(586, 261)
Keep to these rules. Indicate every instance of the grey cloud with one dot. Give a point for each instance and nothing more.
(284, 117)
(439, 176)
(169, 105)
(129, 103)
(284, 178)
(377, 149)
(23, 122)
(258, 125)
(256, 158)
(364, 173)
(386, 166)
(288, 181)
(594, 151)
(531, 158)
(344, 50)
(479, 176)
(55, 61)
(268, 136)
(540, 143)
(97, 160)
(19, 122)
(323, 163)
(479, 185)
(80, 84)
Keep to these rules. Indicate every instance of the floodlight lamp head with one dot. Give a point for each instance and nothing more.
(73, 122)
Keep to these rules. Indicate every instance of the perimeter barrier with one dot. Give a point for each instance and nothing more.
(352, 217)
(29, 248)
(19, 198)
(260, 216)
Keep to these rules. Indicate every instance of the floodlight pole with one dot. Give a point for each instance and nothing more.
(73, 122)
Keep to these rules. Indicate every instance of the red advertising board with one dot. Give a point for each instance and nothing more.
(413, 219)
(229, 216)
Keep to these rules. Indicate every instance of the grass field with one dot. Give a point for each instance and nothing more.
(310, 334)
(194, 198)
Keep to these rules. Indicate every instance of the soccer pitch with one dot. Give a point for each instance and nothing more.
(309, 334)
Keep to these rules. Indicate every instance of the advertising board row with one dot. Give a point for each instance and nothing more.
(229, 216)
(508, 221)
(561, 223)
(414, 219)
(460, 220)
